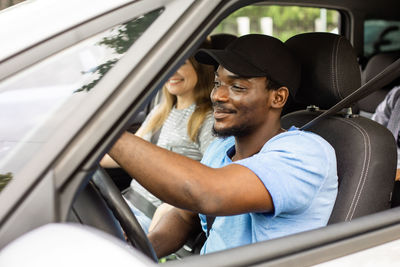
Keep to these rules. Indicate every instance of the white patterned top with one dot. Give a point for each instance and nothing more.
(174, 135)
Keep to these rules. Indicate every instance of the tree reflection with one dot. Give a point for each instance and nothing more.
(5, 179)
(125, 35)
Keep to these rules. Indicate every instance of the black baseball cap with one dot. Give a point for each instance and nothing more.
(221, 40)
(256, 55)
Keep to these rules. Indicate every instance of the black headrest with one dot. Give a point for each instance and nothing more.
(330, 70)
(377, 63)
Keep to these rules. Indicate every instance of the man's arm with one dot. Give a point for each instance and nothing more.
(188, 184)
(384, 109)
(172, 231)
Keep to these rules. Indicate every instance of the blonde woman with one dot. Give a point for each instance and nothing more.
(183, 119)
(182, 122)
(184, 116)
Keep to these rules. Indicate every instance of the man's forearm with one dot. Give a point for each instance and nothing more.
(188, 184)
(162, 172)
(172, 231)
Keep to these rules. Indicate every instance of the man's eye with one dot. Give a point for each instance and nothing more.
(238, 87)
(217, 84)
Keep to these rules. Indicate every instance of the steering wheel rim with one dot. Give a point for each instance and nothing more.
(123, 213)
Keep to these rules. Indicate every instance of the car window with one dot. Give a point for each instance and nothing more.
(281, 22)
(33, 101)
(381, 36)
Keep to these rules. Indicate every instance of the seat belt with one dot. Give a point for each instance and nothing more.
(386, 76)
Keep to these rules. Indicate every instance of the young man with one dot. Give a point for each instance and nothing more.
(260, 181)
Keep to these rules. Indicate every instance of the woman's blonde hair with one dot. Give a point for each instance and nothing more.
(202, 91)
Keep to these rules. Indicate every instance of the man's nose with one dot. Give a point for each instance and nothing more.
(220, 93)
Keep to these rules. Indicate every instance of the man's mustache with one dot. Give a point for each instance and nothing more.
(220, 107)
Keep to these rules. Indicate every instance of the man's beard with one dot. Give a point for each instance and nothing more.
(238, 131)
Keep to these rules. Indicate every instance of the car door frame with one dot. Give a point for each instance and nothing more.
(48, 183)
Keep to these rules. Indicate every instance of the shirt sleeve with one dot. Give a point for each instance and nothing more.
(384, 109)
(205, 135)
(293, 169)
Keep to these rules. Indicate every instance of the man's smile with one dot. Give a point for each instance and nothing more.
(222, 112)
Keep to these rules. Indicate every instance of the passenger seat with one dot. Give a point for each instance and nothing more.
(375, 65)
(365, 150)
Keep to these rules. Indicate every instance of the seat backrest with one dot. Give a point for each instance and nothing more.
(375, 65)
(365, 150)
(326, 61)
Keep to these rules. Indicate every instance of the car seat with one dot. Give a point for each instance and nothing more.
(365, 150)
(375, 65)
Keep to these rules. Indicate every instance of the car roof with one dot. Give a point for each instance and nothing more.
(21, 33)
(68, 13)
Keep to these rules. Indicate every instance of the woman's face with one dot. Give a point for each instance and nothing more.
(183, 81)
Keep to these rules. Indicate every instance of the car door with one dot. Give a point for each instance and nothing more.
(49, 160)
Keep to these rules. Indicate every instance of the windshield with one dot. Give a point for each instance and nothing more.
(34, 102)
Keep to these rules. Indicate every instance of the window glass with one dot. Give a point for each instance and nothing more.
(381, 36)
(281, 22)
(34, 101)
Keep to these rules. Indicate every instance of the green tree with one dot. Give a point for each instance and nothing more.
(287, 20)
(5, 179)
(126, 34)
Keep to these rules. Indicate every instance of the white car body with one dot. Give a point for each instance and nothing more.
(55, 165)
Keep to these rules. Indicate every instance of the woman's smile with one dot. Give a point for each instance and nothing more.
(175, 81)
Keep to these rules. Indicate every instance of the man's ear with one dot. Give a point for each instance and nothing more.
(280, 97)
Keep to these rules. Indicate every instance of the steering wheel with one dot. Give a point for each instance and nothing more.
(123, 213)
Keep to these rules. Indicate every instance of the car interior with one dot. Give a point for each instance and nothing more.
(350, 131)
(341, 85)
(366, 106)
